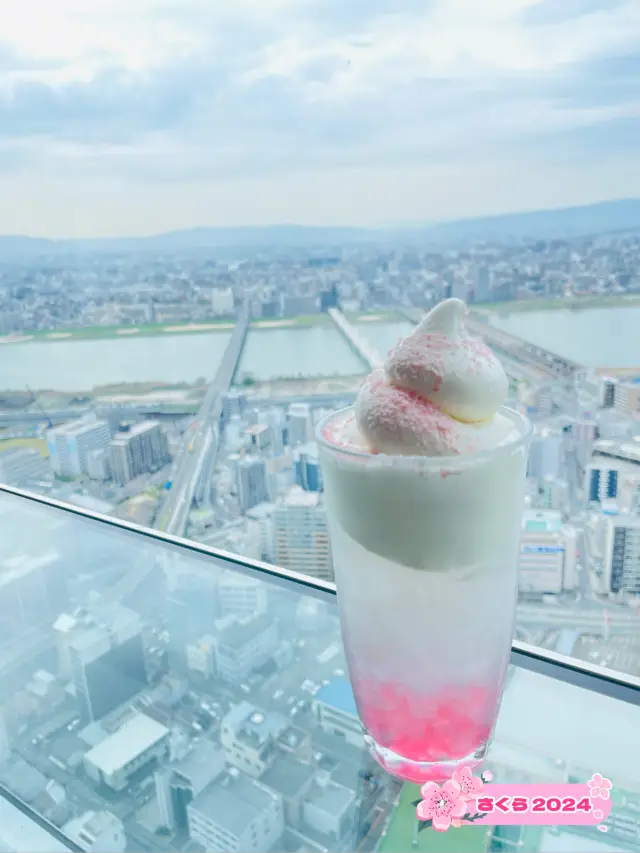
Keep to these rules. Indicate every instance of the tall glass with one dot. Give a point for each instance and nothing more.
(425, 559)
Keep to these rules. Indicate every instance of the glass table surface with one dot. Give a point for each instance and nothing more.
(160, 697)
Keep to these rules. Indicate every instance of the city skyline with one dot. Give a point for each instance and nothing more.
(162, 116)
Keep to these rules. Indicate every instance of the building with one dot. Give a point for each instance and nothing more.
(301, 534)
(105, 652)
(547, 558)
(70, 443)
(180, 782)
(584, 432)
(97, 832)
(614, 464)
(252, 482)
(201, 656)
(627, 397)
(241, 595)
(33, 590)
(138, 449)
(553, 494)
(249, 735)
(307, 468)
(237, 815)
(262, 516)
(222, 302)
(22, 465)
(140, 742)
(482, 290)
(258, 438)
(274, 419)
(545, 456)
(292, 779)
(622, 555)
(298, 306)
(329, 809)
(336, 710)
(98, 464)
(234, 403)
(299, 424)
(244, 645)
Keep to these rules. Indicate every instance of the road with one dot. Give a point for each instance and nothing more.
(198, 439)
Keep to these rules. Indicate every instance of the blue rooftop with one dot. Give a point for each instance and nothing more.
(338, 694)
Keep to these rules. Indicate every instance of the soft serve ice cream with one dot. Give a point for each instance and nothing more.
(437, 395)
(413, 481)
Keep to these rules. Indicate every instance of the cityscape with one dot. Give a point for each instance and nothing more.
(159, 702)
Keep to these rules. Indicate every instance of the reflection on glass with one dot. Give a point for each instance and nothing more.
(206, 706)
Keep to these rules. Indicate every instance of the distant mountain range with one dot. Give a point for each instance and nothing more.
(608, 216)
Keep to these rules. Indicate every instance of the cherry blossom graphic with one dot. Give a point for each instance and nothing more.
(599, 787)
(598, 814)
(470, 785)
(441, 805)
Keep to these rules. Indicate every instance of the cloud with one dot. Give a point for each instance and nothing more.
(168, 91)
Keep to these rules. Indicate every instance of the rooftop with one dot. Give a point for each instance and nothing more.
(338, 694)
(331, 797)
(138, 734)
(75, 428)
(541, 521)
(259, 724)
(244, 630)
(234, 805)
(288, 776)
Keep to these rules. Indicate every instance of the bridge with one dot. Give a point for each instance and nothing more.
(195, 461)
(357, 341)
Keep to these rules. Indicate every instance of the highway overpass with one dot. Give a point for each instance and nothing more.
(200, 444)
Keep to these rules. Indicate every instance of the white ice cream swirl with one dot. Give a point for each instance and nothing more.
(438, 394)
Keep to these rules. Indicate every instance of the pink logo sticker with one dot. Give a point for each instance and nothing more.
(467, 799)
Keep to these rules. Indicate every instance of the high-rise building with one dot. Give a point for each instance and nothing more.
(252, 481)
(299, 424)
(20, 465)
(237, 816)
(241, 595)
(622, 555)
(138, 449)
(70, 443)
(98, 464)
(307, 468)
(482, 284)
(301, 534)
(547, 560)
(262, 516)
(274, 419)
(234, 403)
(180, 782)
(614, 466)
(107, 660)
(627, 397)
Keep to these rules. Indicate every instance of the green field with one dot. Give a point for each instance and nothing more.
(400, 832)
(576, 303)
(38, 444)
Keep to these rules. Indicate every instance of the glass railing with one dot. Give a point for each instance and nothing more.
(160, 695)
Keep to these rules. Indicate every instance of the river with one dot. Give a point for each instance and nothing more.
(595, 337)
(598, 337)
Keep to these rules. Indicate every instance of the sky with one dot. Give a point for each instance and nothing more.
(124, 117)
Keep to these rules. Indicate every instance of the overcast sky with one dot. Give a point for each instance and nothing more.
(138, 116)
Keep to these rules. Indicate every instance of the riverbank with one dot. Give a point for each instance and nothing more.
(166, 329)
(575, 303)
